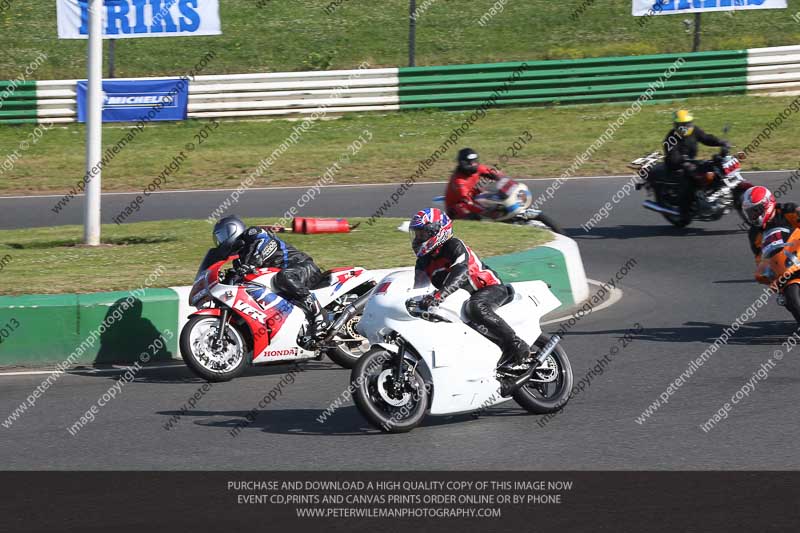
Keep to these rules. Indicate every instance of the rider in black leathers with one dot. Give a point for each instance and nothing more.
(680, 146)
(451, 265)
(260, 248)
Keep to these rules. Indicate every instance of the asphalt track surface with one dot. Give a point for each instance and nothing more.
(685, 288)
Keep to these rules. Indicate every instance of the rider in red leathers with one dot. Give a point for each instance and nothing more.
(465, 184)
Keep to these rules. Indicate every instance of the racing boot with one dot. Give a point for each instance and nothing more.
(515, 358)
(317, 317)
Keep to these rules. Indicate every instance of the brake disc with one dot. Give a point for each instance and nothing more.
(385, 377)
(547, 372)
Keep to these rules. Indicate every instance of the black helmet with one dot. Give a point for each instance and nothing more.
(467, 160)
(226, 232)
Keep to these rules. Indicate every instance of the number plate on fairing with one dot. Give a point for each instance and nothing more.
(731, 165)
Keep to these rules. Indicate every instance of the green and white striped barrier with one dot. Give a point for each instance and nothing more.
(320, 93)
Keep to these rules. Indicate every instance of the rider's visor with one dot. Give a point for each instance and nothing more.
(220, 236)
(470, 162)
(754, 213)
(419, 236)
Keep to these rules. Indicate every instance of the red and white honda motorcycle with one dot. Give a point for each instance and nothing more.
(241, 320)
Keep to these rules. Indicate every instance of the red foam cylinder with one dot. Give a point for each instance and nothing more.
(297, 224)
(325, 225)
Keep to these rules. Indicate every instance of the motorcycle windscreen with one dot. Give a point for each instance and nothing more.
(213, 255)
(421, 279)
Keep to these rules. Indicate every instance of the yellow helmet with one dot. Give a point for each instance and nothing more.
(683, 122)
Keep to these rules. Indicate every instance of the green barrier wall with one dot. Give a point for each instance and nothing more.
(47, 330)
(542, 263)
(53, 327)
(572, 81)
(17, 102)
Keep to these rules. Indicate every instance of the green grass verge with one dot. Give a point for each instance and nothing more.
(399, 142)
(289, 35)
(47, 260)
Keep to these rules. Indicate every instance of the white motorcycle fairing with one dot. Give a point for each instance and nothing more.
(460, 360)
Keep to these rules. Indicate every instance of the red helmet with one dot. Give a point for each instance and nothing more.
(758, 206)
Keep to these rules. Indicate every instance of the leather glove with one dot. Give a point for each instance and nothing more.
(430, 300)
(238, 273)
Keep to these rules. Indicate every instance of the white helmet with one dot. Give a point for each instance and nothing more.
(758, 206)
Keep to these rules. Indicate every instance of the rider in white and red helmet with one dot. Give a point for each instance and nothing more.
(771, 224)
(759, 206)
(769, 221)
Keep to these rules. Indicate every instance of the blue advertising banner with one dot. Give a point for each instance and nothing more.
(135, 100)
(130, 19)
(647, 8)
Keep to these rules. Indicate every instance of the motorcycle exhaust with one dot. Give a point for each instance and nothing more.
(509, 388)
(349, 312)
(548, 348)
(652, 206)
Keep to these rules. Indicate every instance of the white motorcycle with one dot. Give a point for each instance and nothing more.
(435, 361)
(507, 200)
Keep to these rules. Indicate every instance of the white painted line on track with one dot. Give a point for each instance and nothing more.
(87, 370)
(342, 186)
(614, 297)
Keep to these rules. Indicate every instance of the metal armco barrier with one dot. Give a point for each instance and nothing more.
(231, 95)
(317, 94)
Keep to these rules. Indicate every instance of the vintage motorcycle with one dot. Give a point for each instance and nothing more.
(507, 200)
(435, 361)
(240, 320)
(779, 266)
(721, 188)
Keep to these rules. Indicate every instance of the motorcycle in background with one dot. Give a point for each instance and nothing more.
(721, 189)
(240, 320)
(507, 200)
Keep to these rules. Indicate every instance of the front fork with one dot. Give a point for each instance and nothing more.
(398, 361)
(399, 380)
(223, 322)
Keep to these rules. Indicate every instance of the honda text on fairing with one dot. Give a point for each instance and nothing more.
(507, 200)
(240, 320)
(435, 361)
(720, 189)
